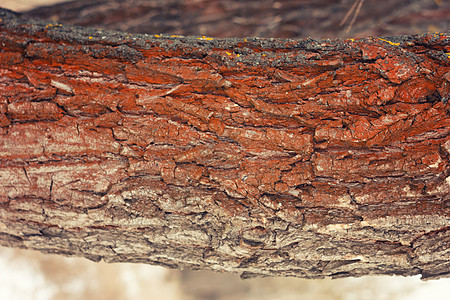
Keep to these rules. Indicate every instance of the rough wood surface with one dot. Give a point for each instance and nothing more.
(304, 158)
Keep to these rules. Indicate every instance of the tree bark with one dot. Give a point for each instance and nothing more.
(304, 158)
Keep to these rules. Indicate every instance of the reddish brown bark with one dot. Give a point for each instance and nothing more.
(305, 158)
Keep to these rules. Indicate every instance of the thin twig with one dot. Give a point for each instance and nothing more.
(350, 11)
(356, 8)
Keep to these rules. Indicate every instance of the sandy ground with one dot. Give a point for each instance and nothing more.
(31, 275)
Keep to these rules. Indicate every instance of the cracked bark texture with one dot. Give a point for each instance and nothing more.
(269, 157)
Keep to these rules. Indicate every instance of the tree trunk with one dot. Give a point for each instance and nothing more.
(304, 158)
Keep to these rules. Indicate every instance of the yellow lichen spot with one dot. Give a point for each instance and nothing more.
(352, 40)
(157, 35)
(390, 43)
(264, 55)
(448, 54)
(228, 53)
(90, 37)
(245, 40)
(52, 25)
(174, 35)
(204, 38)
(238, 55)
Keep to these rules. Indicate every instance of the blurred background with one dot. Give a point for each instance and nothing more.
(32, 275)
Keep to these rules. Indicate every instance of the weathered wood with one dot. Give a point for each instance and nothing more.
(304, 158)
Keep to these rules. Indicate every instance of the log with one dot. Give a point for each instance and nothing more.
(270, 157)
